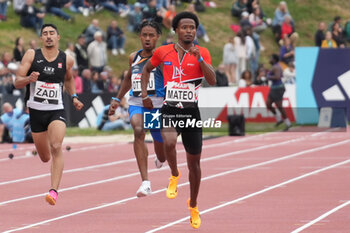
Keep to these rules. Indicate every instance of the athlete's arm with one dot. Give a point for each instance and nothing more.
(22, 79)
(207, 69)
(69, 83)
(125, 87)
(147, 69)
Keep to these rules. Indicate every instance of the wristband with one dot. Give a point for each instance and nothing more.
(74, 96)
(145, 98)
(200, 59)
(116, 99)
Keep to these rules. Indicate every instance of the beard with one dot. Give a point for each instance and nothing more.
(187, 41)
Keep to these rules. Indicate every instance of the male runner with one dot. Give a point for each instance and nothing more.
(44, 72)
(184, 67)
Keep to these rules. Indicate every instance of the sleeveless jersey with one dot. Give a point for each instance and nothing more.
(182, 79)
(155, 88)
(278, 82)
(47, 92)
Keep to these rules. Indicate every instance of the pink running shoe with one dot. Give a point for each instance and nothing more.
(51, 197)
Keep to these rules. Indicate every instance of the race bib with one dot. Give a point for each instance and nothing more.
(180, 92)
(136, 84)
(47, 93)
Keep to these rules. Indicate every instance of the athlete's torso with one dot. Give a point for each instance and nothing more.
(47, 92)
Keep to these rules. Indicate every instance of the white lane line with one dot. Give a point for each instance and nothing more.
(117, 162)
(185, 164)
(321, 217)
(252, 195)
(184, 184)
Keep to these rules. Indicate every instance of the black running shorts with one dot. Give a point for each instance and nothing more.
(184, 121)
(40, 120)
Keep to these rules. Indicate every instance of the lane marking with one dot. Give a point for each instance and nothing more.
(321, 217)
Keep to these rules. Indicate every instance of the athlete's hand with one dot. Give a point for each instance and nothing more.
(77, 104)
(114, 105)
(33, 77)
(147, 103)
(195, 52)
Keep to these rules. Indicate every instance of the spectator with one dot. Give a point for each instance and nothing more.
(21, 131)
(3, 10)
(109, 5)
(287, 51)
(6, 121)
(320, 34)
(244, 22)
(70, 51)
(114, 85)
(78, 81)
(251, 50)
(238, 8)
(87, 83)
(241, 50)
(19, 50)
(12, 68)
(287, 30)
(115, 38)
(168, 16)
(32, 17)
(6, 58)
(118, 121)
(338, 20)
(90, 31)
(135, 18)
(279, 18)
(104, 81)
(337, 35)
(163, 4)
(80, 6)
(256, 21)
(81, 52)
(347, 31)
(95, 83)
(221, 77)
(151, 12)
(328, 42)
(261, 79)
(97, 53)
(230, 60)
(289, 74)
(55, 7)
(246, 79)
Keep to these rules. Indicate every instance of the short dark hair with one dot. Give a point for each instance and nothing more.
(184, 15)
(275, 57)
(152, 24)
(49, 25)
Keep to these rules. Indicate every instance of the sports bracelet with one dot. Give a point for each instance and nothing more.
(116, 99)
(200, 59)
(74, 96)
(144, 98)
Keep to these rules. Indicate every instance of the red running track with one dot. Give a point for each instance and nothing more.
(268, 183)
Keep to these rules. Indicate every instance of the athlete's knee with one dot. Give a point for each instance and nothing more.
(139, 133)
(55, 147)
(169, 144)
(44, 157)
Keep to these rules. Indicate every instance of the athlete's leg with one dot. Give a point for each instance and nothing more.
(42, 145)
(169, 136)
(193, 164)
(140, 148)
(269, 105)
(159, 149)
(281, 109)
(56, 132)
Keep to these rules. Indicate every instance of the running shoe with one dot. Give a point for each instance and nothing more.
(158, 163)
(145, 189)
(278, 123)
(195, 219)
(51, 198)
(171, 192)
